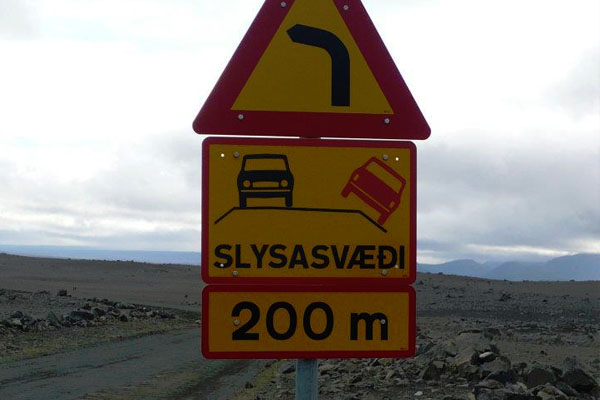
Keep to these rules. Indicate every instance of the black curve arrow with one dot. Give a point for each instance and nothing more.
(340, 59)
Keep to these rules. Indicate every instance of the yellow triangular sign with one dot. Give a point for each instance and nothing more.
(297, 77)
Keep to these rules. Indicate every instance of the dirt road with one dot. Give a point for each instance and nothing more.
(112, 370)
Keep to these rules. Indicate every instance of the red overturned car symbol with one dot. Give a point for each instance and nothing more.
(377, 185)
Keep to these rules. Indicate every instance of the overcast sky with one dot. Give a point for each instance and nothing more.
(97, 99)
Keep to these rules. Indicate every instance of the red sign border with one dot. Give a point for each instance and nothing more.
(308, 354)
(217, 118)
(372, 282)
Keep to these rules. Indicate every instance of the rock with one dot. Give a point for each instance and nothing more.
(82, 314)
(125, 306)
(549, 392)
(166, 315)
(487, 356)
(123, 318)
(470, 372)
(579, 380)
(490, 384)
(566, 389)
(504, 377)
(419, 393)
(288, 368)
(98, 312)
(433, 371)
(499, 364)
(83, 323)
(538, 375)
(16, 323)
(17, 314)
(53, 319)
(325, 368)
(490, 333)
(137, 314)
(62, 292)
(505, 297)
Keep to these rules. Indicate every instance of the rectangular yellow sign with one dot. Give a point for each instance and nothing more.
(247, 322)
(308, 210)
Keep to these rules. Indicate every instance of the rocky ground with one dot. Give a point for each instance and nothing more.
(477, 339)
(38, 323)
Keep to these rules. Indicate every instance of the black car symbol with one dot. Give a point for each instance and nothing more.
(265, 176)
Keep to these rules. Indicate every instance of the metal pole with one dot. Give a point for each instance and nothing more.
(307, 387)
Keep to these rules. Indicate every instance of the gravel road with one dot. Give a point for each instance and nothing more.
(117, 365)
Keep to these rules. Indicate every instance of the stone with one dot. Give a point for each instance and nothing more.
(487, 356)
(98, 312)
(166, 315)
(17, 314)
(82, 314)
(490, 384)
(497, 365)
(490, 333)
(62, 292)
(566, 389)
(137, 314)
(579, 380)
(549, 392)
(288, 368)
(538, 375)
(16, 323)
(504, 377)
(53, 319)
(433, 371)
(505, 297)
(325, 368)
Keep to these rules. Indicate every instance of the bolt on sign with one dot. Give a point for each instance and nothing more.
(312, 68)
(241, 322)
(308, 211)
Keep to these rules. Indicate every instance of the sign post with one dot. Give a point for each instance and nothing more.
(307, 372)
(309, 245)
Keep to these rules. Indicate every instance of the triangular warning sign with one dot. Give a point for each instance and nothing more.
(313, 68)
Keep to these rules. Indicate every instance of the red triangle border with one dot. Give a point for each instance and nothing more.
(216, 116)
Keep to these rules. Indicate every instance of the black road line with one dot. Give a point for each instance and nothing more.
(332, 210)
(340, 59)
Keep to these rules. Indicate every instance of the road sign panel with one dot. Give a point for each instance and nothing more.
(308, 211)
(312, 68)
(241, 322)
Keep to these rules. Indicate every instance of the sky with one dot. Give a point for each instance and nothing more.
(97, 99)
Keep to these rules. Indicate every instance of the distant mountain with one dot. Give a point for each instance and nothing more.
(457, 267)
(86, 253)
(579, 267)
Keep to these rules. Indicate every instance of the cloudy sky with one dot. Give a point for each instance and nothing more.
(97, 98)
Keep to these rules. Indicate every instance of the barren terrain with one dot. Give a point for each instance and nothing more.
(130, 330)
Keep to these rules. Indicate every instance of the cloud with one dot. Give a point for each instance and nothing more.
(144, 194)
(17, 20)
(539, 197)
(579, 92)
(97, 106)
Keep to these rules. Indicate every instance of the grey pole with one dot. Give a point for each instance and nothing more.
(307, 386)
